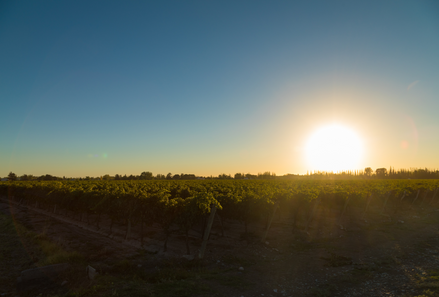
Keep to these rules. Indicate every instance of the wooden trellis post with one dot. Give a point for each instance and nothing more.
(343, 211)
(434, 196)
(276, 205)
(312, 214)
(423, 198)
(400, 200)
(385, 202)
(416, 198)
(207, 232)
(367, 206)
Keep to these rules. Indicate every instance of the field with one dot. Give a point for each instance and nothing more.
(278, 238)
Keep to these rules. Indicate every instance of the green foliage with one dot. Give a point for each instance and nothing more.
(168, 202)
(12, 176)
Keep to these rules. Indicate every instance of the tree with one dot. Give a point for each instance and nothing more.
(224, 176)
(26, 177)
(146, 175)
(47, 177)
(169, 176)
(250, 176)
(266, 174)
(239, 175)
(106, 177)
(12, 176)
(368, 171)
(381, 172)
(187, 176)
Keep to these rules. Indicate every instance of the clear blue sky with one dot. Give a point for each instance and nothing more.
(210, 87)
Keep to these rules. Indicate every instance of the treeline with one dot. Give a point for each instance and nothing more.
(146, 175)
(413, 173)
(367, 173)
(28, 177)
(379, 173)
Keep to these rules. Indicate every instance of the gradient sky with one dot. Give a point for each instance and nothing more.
(210, 87)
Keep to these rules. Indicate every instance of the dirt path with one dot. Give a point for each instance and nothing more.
(377, 257)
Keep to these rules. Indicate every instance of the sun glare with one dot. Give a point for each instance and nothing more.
(334, 148)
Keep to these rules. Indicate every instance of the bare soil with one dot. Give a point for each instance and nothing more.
(379, 255)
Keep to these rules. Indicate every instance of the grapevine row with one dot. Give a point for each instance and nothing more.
(183, 203)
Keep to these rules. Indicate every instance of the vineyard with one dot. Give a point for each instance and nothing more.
(178, 206)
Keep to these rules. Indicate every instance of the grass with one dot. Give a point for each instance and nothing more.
(172, 277)
(12, 254)
(425, 244)
(427, 293)
(429, 280)
(250, 237)
(54, 253)
(123, 267)
(23, 249)
(429, 220)
(302, 246)
(48, 251)
(239, 261)
(360, 275)
(182, 280)
(335, 260)
(233, 281)
(326, 290)
(182, 289)
(227, 279)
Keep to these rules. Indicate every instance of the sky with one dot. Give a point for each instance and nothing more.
(89, 88)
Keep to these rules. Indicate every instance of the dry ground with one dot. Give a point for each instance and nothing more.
(378, 256)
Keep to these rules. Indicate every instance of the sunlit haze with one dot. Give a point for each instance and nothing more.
(205, 88)
(334, 148)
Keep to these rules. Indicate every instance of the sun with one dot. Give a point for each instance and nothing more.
(334, 148)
